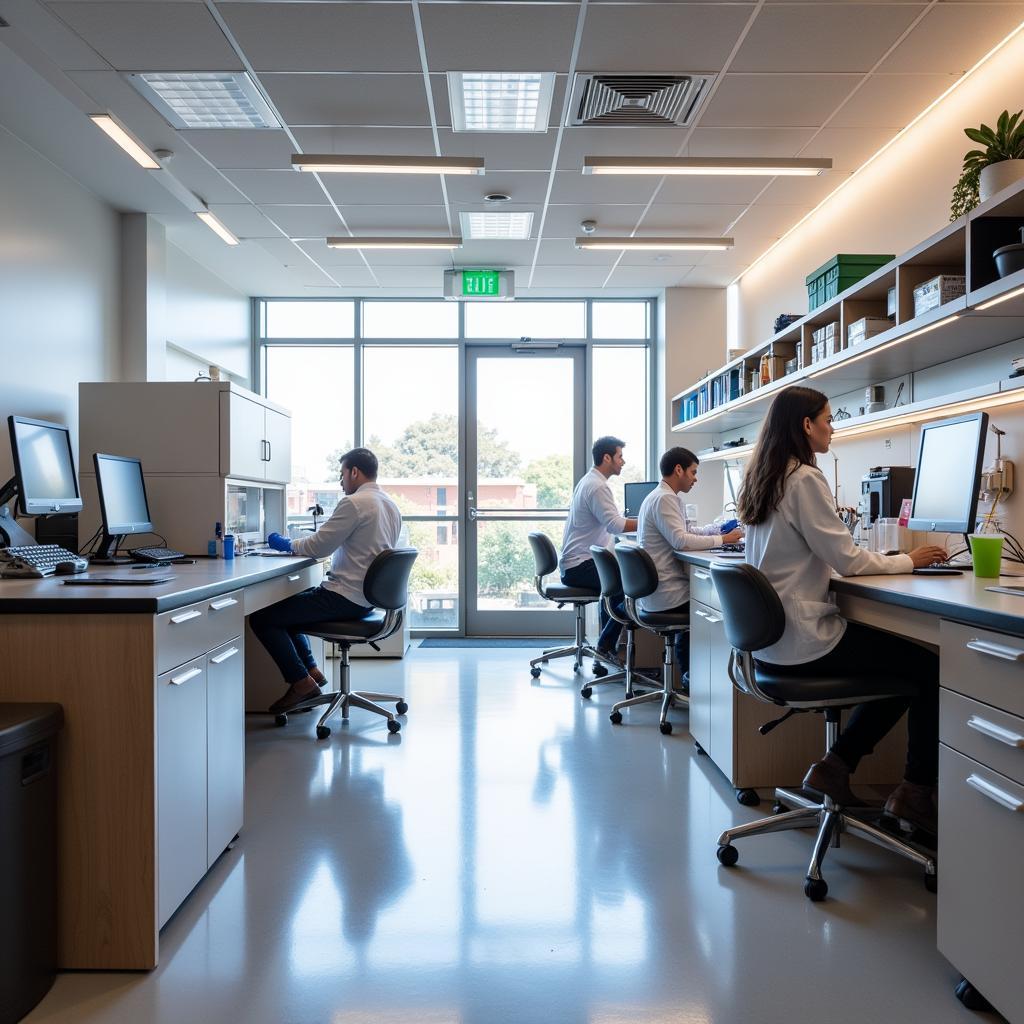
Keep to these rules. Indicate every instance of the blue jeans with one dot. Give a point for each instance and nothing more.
(275, 627)
(585, 575)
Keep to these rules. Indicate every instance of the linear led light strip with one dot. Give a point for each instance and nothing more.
(867, 163)
(1002, 298)
(216, 227)
(365, 242)
(332, 163)
(115, 131)
(706, 165)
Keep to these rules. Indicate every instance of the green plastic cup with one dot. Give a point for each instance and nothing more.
(987, 554)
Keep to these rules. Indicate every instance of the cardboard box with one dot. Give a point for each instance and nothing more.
(938, 291)
(866, 327)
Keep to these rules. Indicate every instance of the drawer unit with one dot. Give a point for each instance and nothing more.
(194, 629)
(269, 592)
(984, 665)
(990, 736)
(702, 587)
(225, 751)
(981, 901)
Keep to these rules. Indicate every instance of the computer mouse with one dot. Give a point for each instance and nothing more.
(65, 569)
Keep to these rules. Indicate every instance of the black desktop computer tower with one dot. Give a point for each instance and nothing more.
(882, 490)
(61, 530)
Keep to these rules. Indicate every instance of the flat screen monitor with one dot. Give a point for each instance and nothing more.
(635, 494)
(44, 469)
(733, 480)
(948, 474)
(122, 492)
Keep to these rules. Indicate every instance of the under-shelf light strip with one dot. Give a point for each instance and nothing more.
(1002, 298)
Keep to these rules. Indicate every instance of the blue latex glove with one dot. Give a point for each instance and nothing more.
(279, 543)
(728, 526)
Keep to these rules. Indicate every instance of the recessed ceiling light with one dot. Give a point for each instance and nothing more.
(500, 101)
(704, 165)
(113, 130)
(206, 99)
(216, 227)
(385, 242)
(496, 225)
(333, 163)
(656, 244)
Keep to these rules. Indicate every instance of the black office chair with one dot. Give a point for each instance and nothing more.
(611, 595)
(639, 579)
(755, 619)
(387, 589)
(545, 559)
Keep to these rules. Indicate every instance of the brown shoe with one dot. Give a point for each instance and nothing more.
(830, 777)
(915, 805)
(298, 693)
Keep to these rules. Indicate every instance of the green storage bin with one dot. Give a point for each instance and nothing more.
(840, 273)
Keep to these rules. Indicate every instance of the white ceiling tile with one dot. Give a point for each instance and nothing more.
(496, 253)
(558, 278)
(236, 148)
(802, 193)
(204, 181)
(709, 277)
(331, 258)
(378, 141)
(952, 38)
(770, 142)
(394, 259)
(664, 37)
(349, 99)
(325, 37)
(151, 36)
(304, 221)
(648, 277)
(848, 148)
(755, 231)
(575, 188)
(409, 278)
(394, 220)
(564, 221)
(561, 252)
(520, 186)
(285, 252)
(660, 261)
(244, 220)
(496, 37)
(380, 189)
(285, 186)
(698, 219)
(728, 189)
(838, 37)
(501, 152)
(891, 101)
(578, 142)
(783, 101)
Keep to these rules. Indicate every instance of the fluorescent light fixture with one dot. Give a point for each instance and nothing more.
(334, 163)
(496, 225)
(1002, 298)
(133, 148)
(500, 101)
(656, 244)
(365, 242)
(215, 225)
(705, 165)
(206, 99)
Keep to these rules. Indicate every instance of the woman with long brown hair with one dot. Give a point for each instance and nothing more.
(796, 538)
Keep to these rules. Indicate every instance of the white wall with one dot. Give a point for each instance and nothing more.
(896, 202)
(59, 290)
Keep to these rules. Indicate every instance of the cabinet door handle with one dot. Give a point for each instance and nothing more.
(994, 793)
(697, 611)
(295, 578)
(186, 676)
(701, 575)
(712, 618)
(229, 653)
(227, 602)
(995, 732)
(177, 620)
(995, 650)
(270, 452)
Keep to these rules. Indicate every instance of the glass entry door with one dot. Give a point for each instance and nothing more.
(525, 445)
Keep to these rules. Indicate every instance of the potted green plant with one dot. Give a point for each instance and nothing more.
(990, 170)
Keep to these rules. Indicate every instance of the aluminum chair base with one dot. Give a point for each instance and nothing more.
(579, 650)
(628, 674)
(831, 821)
(670, 698)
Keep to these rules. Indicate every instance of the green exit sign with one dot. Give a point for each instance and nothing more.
(480, 282)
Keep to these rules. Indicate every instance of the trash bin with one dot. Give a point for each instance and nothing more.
(28, 855)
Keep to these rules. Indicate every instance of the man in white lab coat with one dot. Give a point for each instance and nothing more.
(664, 529)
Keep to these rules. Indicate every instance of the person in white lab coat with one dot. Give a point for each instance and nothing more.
(363, 524)
(796, 538)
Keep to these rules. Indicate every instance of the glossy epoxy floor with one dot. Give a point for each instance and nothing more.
(511, 856)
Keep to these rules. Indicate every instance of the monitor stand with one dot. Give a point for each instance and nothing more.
(108, 545)
(11, 534)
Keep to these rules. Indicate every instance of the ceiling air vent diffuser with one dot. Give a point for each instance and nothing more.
(643, 100)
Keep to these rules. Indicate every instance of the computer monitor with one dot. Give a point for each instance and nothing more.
(733, 479)
(948, 474)
(635, 494)
(44, 469)
(123, 504)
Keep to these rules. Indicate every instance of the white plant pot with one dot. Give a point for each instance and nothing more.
(995, 177)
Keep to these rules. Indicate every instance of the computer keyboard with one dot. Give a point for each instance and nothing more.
(33, 561)
(155, 554)
(939, 569)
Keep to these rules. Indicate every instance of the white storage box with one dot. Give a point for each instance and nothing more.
(826, 333)
(938, 291)
(866, 327)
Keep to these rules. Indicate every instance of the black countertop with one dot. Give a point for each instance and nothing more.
(205, 579)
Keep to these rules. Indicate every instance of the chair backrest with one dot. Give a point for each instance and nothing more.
(753, 613)
(607, 572)
(387, 580)
(544, 554)
(639, 575)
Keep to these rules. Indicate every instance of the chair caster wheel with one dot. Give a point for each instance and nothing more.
(394, 726)
(535, 672)
(586, 692)
(779, 807)
(728, 855)
(322, 732)
(577, 665)
(748, 797)
(970, 996)
(401, 707)
(666, 728)
(931, 882)
(699, 749)
(599, 669)
(280, 720)
(815, 889)
(615, 718)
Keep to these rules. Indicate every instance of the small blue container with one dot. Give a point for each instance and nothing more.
(229, 545)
